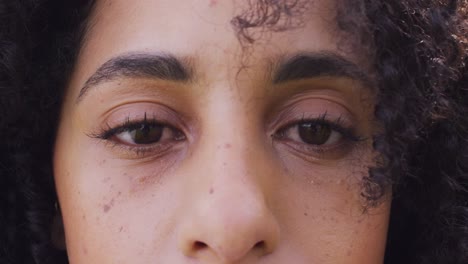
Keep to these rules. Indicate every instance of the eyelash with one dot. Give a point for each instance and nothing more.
(337, 125)
(348, 133)
(128, 125)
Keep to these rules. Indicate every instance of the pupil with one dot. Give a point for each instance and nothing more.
(314, 134)
(147, 134)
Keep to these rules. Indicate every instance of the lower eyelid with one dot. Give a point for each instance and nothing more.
(315, 152)
(152, 151)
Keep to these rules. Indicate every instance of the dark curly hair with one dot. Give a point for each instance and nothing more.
(419, 50)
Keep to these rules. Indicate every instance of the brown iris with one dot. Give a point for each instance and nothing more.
(147, 133)
(314, 134)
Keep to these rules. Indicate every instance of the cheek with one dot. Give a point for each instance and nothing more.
(117, 210)
(332, 226)
(111, 210)
(325, 215)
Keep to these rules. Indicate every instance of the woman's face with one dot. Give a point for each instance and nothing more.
(179, 143)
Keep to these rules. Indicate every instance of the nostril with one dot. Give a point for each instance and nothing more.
(199, 245)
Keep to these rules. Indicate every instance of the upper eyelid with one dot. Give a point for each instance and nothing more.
(306, 110)
(348, 132)
(324, 118)
(336, 124)
(135, 110)
(132, 125)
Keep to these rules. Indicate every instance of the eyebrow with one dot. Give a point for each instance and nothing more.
(314, 65)
(169, 67)
(160, 66)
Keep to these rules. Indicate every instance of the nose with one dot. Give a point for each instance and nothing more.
(231, 222)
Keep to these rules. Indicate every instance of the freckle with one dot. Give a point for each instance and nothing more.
(119, 193)
(102, 162)
(108, 206)
(349, 253)
(84, 217)
(85, 251)
(106, 179)
(143, 179)
(211, 190)
(224, 163)
(121, 228)
(305, 214)
(227, 145)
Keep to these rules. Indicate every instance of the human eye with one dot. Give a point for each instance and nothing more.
(142, 135)
(320, 137)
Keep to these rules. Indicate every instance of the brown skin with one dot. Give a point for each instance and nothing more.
(231, 180)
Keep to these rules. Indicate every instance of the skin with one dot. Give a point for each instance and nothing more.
(230, 185)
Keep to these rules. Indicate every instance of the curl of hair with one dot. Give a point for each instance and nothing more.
(421, 62)
(30, 32)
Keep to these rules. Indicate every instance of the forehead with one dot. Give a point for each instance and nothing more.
(208, 27)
